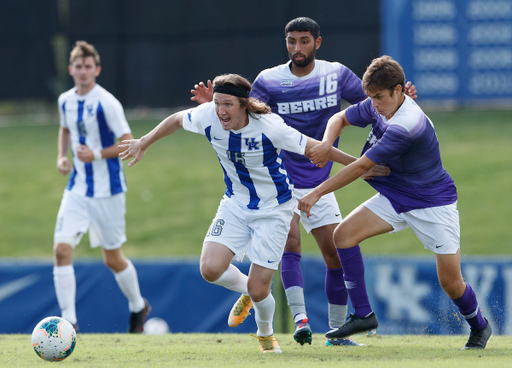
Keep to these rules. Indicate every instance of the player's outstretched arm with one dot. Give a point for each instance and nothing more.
(202, 93)
(320, 154)
(344, 158)
(344, 177)
(137, 147)
(63, 144)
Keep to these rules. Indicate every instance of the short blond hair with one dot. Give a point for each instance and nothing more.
(84, 49)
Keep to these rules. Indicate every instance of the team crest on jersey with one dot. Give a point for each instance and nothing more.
(90, 110)
(286, 83)
(251, 144)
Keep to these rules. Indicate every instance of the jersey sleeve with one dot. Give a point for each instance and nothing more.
(196, 119)
(352, 89)
(62, 116)
(285, 137)
(395, 142)
(116, 120)
(259, 89)
(361, 114)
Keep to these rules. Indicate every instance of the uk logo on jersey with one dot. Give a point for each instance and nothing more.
(90, 110)
(251, 144)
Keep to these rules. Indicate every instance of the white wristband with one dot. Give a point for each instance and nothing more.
(97, 155)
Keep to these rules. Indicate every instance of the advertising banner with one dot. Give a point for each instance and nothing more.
(404, 293)
(453, 50)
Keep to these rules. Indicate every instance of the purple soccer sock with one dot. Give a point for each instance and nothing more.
(291, 273)
(335, 286)
(353, 268)
(469, 308)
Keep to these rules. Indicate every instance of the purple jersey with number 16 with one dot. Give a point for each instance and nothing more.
(306, 104)
(408, 145)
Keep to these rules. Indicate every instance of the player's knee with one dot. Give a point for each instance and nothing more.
(115, 265)
(292, 244)
(342, 237)
(257, 292)
(453, 288)
(209, 272)
(332, 260)
(63, 253)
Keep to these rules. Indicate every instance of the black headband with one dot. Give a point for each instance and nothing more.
(230, 89)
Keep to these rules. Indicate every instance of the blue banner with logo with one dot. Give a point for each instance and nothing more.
(404, 293)
(455, 50)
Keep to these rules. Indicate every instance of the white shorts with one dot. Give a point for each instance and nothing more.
(436, 227)
(324, 212)
(103, 217)
(259, 234)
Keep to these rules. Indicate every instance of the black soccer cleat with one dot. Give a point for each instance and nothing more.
(137, 320)
(478, 338)
(354, 325)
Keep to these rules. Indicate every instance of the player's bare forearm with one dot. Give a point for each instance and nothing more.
(344, 177)
(311, 143)
(114, 150)
(340, 157)
(63, 144)
(322, 153)
(137, 147)
(168, 126)
(334, 127)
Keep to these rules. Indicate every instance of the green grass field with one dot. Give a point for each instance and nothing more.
(240, 350)
(175, 190)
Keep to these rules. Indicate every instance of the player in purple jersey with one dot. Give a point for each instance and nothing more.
(418, 193)
(306, 92)
(94, 199)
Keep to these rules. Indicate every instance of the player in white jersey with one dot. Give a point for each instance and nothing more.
(418, 193)
(91, 120)
(254, 216)
(306, 92)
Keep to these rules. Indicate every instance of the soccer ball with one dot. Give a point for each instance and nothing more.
(156, 326)
(54, 339)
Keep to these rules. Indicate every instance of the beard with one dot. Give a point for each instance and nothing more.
(306, 61)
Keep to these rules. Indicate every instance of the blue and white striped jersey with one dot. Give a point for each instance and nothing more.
(254, 172)
(95, 119)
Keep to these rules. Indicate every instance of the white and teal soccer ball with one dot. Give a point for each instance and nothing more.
(156, 326)
(54, 339)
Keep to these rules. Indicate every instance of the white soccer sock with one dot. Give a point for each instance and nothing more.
(264, 315)
(65, 289)
(295, 296)
(337, 315)
(129, 285)
(233, 279)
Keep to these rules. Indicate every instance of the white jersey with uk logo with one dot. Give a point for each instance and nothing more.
(254, 172)
(95, 119)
